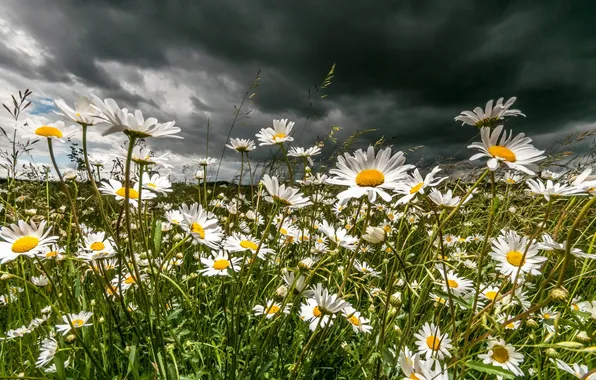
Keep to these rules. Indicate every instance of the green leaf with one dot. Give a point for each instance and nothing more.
(157, 237)
(490, 369)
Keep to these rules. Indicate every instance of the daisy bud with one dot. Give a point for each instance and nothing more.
(179, 255)
(374, 234)
(531, 323)
(31, 212)
(306, 264)
(92, 303)
(559, 294)
(512, 209)
(282, 291)
(395, 299)
(203, 285)
(70, 338)
(582, 336)
(5, 276)
(193, 275)
(101, 320)
(552, 353)
(127, 349)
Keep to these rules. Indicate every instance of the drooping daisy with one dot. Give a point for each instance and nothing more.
(282, 195)
(508, 250)
(432, 343)
(585, 182)
(279, 134)
(504, 355)
(47, 351)
(447, 199)
(515, 152)
(271, 309)
(578, 370)
(551, 189)
(23, 239)
(84, 113)
(219, 264)
(77, 320)
(202, 225)
(375, 234)
(490, 116)
(305, 153)
(291, 280)
(549, 244)
(514, 325)
(368, 174)
(115, 188)
(414, 184)
(241, 145)
(135, 124)
(548, 315)
(55, 131)
(156, 183)
(357, 321)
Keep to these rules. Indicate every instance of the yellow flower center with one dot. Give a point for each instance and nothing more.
(546, 316)
(132, 193)
(510, 181)
(47, 131)
(453, 284)
(221, 264)
(97, 246)
(387, 228)
(129, 280)
(174, 221)
(78, 322)
(370, 178)
(491, 295)
(316, 312)
(500, 354)
(354, 320)
(197, 229)
(152, 185)
(272, 309)
(24, 244)
(502, 152)
(515, 258)
(575, 307)
(433, 343)
(279, 136)
(283, 231)
(414, 377)
(52, 254)
(416, 188)
(247, 244)
(510, 326)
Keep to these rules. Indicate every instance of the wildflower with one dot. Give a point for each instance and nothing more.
(321, 308)
(490, 116)
(447, 199)
(201, 225)
(359, 323)
(282, 195)
(47, 351)
(156, 183)
(84, 113)
(374, 234)
(241, 145)
(414, 184)
(551, 189)
(298, 282)
(368, 174)
(305, 153)
(115, 188)
(279, 134)
(512, 178)
(240, 243)
(515, 152)
(339, 236)
(23, 239)
(271, 309)
(206, 161)
(549, 244)
(508, 250)
(504, 355)
(578, 370)
(365, 269)
(432, 343)
(77, 320)
(98, 246)
(175, 217)
(55, 131)
(585, 182)
(219, 265)
(458, 285)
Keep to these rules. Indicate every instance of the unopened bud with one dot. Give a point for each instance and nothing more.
(374, 234)
(70, 338)
(179, 255)
(559, 294)
(531, 323)
(582, 336)
(282, 291)
(552, 353)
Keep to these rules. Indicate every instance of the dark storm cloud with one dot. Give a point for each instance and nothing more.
(405, 68)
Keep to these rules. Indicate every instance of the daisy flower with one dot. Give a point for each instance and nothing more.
(98, 159)
(504, 355)
(241, 145)
(202, 225)
(115, 188)
(432, 343)
(365, 173)
(23, 239)
(508, 250)
(51, 251)
(578, 370)
(219, 264)
(305, 153)
(585, 182)
(515, 152)
(414, 184)
(375, 235)
(144, 156)
(321, 308)
(206, 161)
(549, 244)
(47, 351)
(55, 131)
(77, 320)
(175, 217)
(279, 134)
(135, 124)
(447, 199)
(239, 243)
(84, 113)
(551, 189)
(98, 246)
(282, 195)
(290, 278)
(339, 236)
(271, 309)
(365, 269)
(458, 285)
(491, 115)
(511, 178)
(357, 321)
(156, 183)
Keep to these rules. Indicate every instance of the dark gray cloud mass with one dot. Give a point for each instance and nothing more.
(405, 68)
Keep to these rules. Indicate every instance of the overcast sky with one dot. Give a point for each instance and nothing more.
(405, 68)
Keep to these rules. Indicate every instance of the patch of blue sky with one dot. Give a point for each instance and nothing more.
(42, 106)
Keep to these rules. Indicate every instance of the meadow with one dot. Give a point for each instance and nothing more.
(369, 269)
